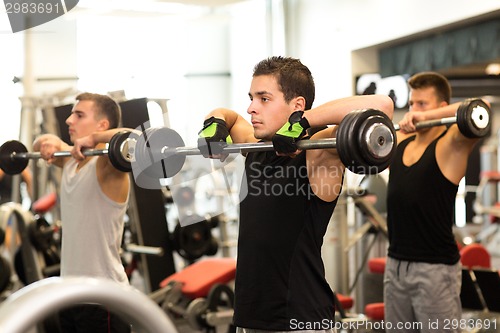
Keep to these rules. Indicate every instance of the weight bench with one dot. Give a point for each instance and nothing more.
(199, 294)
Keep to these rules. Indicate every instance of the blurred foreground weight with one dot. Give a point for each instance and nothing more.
(365, 141)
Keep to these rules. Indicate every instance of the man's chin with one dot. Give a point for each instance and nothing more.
(261, 136)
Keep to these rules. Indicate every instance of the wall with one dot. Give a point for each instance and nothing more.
(50, 54)
(330, 30)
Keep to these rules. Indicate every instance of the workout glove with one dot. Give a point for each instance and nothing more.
(213, 137)
(285, 140)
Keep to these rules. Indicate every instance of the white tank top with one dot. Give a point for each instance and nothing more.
(92, 226)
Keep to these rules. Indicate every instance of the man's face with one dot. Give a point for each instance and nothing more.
(268, 108)
(424, 99)
(83, 120)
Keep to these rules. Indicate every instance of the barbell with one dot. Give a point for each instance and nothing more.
(14, 157)
(365, 141)
(473, 118)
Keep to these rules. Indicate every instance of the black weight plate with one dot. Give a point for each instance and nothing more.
(359, 164)
(342, 140)
(377, 140)
(350, 142)
(118, 151)
(474, 118)
(194, 240)
(10, 165)
(213, 248)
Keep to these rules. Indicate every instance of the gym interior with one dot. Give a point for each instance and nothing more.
(181, 232)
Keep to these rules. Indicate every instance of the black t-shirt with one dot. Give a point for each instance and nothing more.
(280, 276)
(420, 209)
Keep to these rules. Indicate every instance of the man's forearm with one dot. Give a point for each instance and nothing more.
(332, 113)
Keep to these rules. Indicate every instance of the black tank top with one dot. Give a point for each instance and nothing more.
(280, 276)
(420, 209)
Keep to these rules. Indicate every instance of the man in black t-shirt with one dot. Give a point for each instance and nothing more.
(280, 278)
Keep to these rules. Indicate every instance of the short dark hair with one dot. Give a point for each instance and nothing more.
(432, 79)
(106, 107)
(294, 78)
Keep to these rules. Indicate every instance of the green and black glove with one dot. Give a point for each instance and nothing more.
(285, 140)
(213, 137)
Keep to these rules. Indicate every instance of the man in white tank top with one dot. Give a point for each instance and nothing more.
(94, 197)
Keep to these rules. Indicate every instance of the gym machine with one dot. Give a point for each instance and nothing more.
(34, 303)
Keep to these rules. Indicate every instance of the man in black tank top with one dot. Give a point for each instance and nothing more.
(423, 273)
(280, 278)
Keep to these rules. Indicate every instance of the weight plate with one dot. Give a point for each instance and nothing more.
(9, 164)
(350, 142)
(220, 295)
(377, 141)
(155, 155)
(119, 150)
(366, 141)
(194, 313)
(193, 240)
(359, 165)
(474, 118)
(342, 140)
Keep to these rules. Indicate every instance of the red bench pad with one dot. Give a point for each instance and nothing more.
(375, 311)
(346, 301)
(45, 203)
(377, 265)
(198, 278)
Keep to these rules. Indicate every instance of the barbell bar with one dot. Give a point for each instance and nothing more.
(432, 123)
(37, 155)
(252, 147)
(365, 141)
(473, 118)
(14, 157)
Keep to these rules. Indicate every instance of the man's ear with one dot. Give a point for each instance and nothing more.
(443, 104)
(299, 103)
(103, 124)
